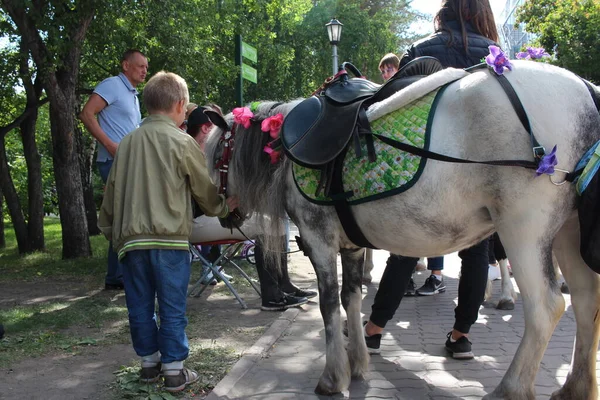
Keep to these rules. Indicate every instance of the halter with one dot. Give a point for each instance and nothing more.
(227, 139)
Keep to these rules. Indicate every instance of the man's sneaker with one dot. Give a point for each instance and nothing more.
(373, 341)
(150, 374)
(285, 302)
(410, 289)
(432, 286)
(460, 349)
(114, 286)
(309, 294)
(178, 382)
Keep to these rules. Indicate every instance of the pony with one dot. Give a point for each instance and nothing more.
(451, 207)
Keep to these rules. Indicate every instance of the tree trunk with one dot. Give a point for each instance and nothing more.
(35, 223)
(75, 238)
(12, 202)
(85, 149)
(2, 235)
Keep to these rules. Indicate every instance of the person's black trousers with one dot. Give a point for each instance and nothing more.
(471, 287)
(392, 286)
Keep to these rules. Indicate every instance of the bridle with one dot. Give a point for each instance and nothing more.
(222, 164)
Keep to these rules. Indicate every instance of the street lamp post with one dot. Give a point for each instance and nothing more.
(334, 31)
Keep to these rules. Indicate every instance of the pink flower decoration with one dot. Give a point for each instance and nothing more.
(242, 115)
(274, 154)
(272, 125)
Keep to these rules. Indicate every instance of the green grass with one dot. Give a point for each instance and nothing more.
(38, 329)
(48, 264)
(68, 324)
(211, 363)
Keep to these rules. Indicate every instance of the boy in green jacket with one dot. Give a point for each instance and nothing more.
(147, 214)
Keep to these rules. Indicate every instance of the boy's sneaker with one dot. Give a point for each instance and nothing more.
(460, 349)
(432, 286)
(285, 302)
(150, 374)
(410, 289)
(178, 382)
(373, 341)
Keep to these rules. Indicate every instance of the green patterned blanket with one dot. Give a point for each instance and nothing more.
(394, 171)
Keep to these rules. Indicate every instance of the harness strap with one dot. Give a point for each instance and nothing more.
(440, 157)
(342, 207)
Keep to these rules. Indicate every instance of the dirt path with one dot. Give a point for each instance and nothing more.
(216, 319)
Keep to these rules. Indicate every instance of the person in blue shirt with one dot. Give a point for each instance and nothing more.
(111, 112)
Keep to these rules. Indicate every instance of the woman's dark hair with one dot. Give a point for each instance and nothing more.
(476, 12)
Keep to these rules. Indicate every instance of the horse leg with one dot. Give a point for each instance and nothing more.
(352, 262)
(509, 296)
(367, 278)
(584, 285)
(336, 375)
(543, 303)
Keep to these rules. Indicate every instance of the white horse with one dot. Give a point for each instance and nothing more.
(452, 207)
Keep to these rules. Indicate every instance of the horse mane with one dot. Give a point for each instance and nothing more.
(259, 184)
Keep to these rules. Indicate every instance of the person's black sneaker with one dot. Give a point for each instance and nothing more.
(150, 374)
(116, 286)
(283, 303)
(432, 286)
(460, 349)
(309, 294)
(373, 341)
(410, 289)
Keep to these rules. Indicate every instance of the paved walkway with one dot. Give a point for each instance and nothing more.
(287, 361)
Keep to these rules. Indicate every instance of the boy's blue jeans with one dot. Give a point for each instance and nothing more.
(163, 274)
(114, 269)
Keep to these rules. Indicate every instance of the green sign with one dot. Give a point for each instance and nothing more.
(248, 73)
(249, 52)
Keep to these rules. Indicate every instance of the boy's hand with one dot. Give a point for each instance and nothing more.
(232, 202)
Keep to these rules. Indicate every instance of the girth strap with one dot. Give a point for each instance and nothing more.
(342, 207)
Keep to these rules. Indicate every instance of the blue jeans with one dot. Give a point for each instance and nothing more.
(163, 274)
(114, 269)
(435, 263)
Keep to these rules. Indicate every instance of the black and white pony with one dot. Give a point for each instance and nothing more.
(452, 207)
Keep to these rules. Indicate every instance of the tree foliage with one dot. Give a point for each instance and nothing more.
(74, 44)
(568, 28)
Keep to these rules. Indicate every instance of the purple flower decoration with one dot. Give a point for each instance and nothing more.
(547, 163)
(533, 53)
(498, 60)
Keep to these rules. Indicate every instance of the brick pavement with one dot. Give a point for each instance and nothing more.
(287, 362)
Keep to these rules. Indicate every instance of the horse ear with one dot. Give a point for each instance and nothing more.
(216, 119)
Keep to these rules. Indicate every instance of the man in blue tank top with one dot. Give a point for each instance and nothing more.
(112, 112)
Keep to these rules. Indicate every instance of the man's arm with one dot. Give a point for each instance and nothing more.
(94, 105)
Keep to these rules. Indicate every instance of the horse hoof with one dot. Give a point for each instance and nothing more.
(505, 304)
(323, 391)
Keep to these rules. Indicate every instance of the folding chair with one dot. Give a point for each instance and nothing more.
(226, 258)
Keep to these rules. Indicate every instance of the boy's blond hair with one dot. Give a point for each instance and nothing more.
(390, 59)
(163, 91)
